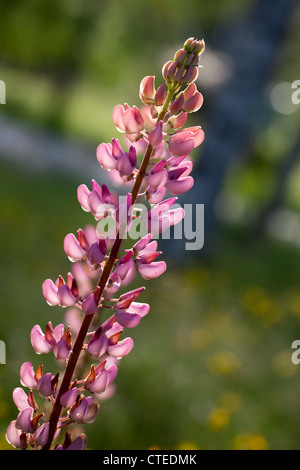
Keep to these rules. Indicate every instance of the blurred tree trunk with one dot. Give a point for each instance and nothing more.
(237, 109)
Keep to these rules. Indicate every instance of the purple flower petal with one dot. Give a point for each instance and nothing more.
(98, 347)
(24, 420)
(44, 385)
(20, 398)
(41, 434)
(69, 398)
(65, 296)
(99, 384)
(89, 305)
(127, 319)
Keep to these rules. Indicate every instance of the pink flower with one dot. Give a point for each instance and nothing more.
(129, 313)
(98, 201)
(97, 380)
(128, 120)
(44, 343)
(61, 293)
(193, 99)
(179, 180)
(85, 411)
(161, 216)
(184, 141)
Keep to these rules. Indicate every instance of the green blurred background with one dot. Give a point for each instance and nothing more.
(211, 367)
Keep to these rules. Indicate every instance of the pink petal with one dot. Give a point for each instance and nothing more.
(44, 386)
(126, 319)
(38, 341)
(133, 121)
(180, 186)
(100, 383)
(79, 443)
(155, 196)
(50, 292)
(122, 348)
(89, 305)
(20, 398)
(72, 248)
(141, 309)
(142, 243)
(69, 398)
(65, 296)
(95, 254)
(157, 180)
(147, 89)
(13, 436)
(98, 347)
(181, 147)
(82, 196)
(194, 103)
(41, 434)
(117, 117)
(124, 165)
(24, 419)
(61, 350)
(27, 375)
(156, 136)
(152, 270)
(105, 158)
(59, 331)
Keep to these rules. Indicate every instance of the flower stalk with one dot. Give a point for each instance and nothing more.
(100, 266)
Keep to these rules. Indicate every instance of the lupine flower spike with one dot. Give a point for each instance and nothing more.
(87, 346)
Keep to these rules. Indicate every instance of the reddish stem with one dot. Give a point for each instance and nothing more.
(87, 319)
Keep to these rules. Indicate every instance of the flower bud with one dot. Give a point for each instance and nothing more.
(147, 90)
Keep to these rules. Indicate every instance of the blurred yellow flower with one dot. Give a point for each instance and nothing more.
(224, 363)
(232, 401)
(250, 442)
(218, 419)
(187, 445)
